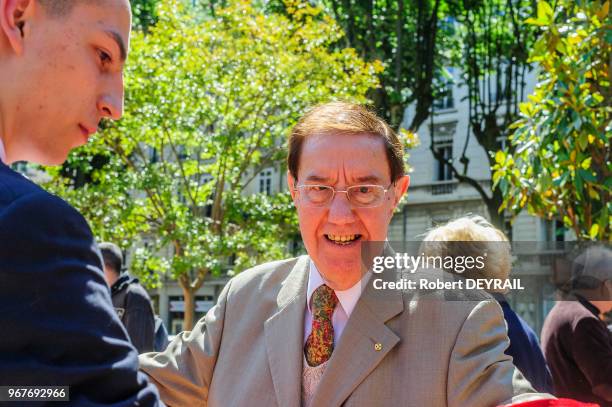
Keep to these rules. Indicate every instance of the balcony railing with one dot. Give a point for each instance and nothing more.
(443, 187)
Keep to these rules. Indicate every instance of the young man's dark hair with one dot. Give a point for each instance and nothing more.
(57, 7)
(112, 256)
(61, 8)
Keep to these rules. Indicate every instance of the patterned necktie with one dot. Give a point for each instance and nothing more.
(320, 343)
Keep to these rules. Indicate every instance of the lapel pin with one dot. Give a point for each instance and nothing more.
(378, 346)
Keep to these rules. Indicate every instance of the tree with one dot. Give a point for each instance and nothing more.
(406, 37)
(560, 167)
(209, 103)
(143, 13)
(493, 60)
(419, 40)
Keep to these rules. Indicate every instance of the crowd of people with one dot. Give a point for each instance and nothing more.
(306, 331)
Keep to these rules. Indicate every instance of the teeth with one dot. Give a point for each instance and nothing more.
(342, 239)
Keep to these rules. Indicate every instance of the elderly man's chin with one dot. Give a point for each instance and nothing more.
(341, 273)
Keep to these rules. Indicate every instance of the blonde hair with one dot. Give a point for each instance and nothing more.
(472, 236)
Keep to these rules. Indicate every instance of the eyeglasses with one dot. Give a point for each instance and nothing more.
(362, 196)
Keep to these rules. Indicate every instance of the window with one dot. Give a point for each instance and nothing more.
(508, 228)
(153, 155)
(443, 144)
(554, 230)
(444, 99)
(265, 182)
(203, 303)
(443, 169)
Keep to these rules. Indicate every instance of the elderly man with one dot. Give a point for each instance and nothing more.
(310, 331)
(61, 66)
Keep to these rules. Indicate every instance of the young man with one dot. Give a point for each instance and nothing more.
(61, 66)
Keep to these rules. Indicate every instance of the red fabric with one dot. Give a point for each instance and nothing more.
(552, 403)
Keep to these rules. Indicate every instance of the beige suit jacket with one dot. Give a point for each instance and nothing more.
(247, 351)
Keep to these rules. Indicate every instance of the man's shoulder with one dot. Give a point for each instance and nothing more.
(14, 185)
(135, 290)
(23, 202)
(569, 312)
(15, 189)
(266, 274)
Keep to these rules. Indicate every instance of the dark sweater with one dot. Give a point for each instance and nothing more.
(525, 349)
(578, 348)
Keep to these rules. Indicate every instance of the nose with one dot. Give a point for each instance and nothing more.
(110, 102)
(340, 210)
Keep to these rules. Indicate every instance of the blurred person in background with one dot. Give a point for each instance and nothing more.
(130, 299)
(473, 236)
(576, 342)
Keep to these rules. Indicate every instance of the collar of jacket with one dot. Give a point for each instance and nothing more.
(122, 282)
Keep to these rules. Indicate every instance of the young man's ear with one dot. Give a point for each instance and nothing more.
(14, 19)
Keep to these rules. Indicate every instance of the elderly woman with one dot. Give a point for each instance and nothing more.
(474, 236)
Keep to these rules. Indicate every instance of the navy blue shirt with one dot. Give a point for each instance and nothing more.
(525, 349)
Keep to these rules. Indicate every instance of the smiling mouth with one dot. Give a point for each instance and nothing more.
(342, 240)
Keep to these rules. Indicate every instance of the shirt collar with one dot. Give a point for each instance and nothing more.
(348, 298)
(2, 153)
(587, 304)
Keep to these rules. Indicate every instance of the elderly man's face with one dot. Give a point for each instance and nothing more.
(61, 75)
(333, 234)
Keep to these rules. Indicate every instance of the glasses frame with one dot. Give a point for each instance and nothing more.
(346, 191)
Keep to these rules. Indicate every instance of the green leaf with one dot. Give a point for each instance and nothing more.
(594, 231)
(537, 21)
(500, 157)
(586, 164)
(545, 12)
(587, 175)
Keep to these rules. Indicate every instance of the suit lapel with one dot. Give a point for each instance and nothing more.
(284, 333)
(364, 343)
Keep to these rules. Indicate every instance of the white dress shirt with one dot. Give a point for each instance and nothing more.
(2, 155)
(347, 299)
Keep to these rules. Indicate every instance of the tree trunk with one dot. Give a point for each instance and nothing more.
(189, 312)
(493, 204)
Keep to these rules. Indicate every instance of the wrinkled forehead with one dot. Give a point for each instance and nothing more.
(356, 158)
